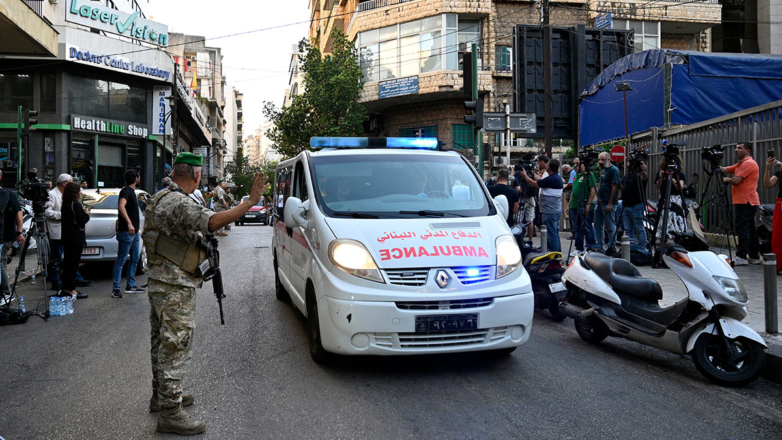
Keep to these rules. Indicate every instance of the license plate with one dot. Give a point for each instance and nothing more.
(90, 251)
(557, 287)
(446, 323)
(250, 215)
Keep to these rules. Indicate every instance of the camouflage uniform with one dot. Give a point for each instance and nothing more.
(218, 195)
(172, 291)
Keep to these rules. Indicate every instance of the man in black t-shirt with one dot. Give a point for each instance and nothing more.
(503, 189)
(127, 235)
(632, 206)
(11, 222)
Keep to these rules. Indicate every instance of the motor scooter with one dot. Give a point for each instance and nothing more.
(545, 271)
(608, 297)
(763, 222)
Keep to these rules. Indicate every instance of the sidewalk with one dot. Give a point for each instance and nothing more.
(752, 279)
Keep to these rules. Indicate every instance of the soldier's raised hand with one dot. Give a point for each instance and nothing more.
(260, 185)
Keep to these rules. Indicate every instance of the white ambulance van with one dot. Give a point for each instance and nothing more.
(390, 247)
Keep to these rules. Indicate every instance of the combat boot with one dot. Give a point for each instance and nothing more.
(154, 405)
(178, 421)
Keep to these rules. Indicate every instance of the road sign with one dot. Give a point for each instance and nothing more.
(604, 21)
(519, 123)
(618, 154)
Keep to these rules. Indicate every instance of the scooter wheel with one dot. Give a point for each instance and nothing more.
(593, 332)
(733, 366)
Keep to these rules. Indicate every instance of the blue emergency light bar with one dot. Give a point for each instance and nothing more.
(375, 142)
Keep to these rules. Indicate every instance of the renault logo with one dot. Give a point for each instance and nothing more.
(442, 279)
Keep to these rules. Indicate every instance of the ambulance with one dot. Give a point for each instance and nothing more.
(391, 247)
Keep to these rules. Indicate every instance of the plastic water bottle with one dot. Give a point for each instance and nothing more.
(21, 304)
(69, 308)
(52, 306)
(63, 306)
(32, 280)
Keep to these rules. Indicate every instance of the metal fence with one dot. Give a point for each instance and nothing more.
(374, 4)
(35, 5)
(760, 126)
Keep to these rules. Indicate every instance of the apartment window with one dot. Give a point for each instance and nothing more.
(15, 89)
(415, 47)
(502, 60)
(469, 33)
(429, 132)
(104, 99)
(647, 33)
(48, 93)
(461, 135)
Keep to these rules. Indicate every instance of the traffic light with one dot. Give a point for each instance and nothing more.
(476, 107)
(29, 121)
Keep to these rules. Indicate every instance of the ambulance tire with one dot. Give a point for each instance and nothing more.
(317, 352)
(279, 289)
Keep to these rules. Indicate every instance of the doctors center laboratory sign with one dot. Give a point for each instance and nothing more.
(95, 15)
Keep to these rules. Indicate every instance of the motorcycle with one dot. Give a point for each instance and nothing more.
(763, 222)
(608, 297)
(545, 271)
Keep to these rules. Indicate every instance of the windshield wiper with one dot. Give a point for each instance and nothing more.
(354, 214)
(424, 213)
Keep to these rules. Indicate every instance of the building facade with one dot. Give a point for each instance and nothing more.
(234, 116)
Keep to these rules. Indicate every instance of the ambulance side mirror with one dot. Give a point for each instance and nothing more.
(295, 212)
(501, 202)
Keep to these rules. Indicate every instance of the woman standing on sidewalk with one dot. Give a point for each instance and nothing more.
(776, 233)
(74, 217)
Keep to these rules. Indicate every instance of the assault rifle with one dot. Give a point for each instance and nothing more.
(210, 270)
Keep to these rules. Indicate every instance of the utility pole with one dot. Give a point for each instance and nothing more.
(19, 144)
(174, 117)
(507, 132)
(547, 101)
(477, 137)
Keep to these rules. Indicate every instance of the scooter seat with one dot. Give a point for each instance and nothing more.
(623, 277)
(532, 255)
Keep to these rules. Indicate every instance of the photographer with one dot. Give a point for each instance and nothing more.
(550, 202)
(744, 193)
(678, 180)
(769, 181)
(632, 201)
(606, 196)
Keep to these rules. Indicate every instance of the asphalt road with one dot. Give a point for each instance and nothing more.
(87, 375)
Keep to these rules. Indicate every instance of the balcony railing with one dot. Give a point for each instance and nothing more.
(374, 4)
(35, 5)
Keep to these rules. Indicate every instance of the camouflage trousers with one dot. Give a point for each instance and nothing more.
(220, 208)
(172, 316)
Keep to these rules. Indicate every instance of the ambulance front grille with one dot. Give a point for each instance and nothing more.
(407, 277)
(444, 305)
(420, 341)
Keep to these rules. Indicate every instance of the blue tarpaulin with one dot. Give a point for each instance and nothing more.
(702, 86)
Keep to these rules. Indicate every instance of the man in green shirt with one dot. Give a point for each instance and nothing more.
(580, 201)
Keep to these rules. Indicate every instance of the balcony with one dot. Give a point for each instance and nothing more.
(431, 87)
(376, 14)
(374, 4)
(25, 30)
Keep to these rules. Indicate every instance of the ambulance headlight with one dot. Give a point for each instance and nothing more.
(352, 257)
(508, 255)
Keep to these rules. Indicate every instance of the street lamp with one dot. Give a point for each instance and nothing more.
(624, 87)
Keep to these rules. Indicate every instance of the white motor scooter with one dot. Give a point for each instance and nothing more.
(608, 297)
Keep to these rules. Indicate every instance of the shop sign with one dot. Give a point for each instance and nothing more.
(95, 15)
(114, 62)
(108, 126)
(162, 110)
(398, 87)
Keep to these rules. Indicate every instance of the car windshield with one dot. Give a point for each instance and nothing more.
(398, 186)
(101, 201)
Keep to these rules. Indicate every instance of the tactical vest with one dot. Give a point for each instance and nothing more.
(187, 256)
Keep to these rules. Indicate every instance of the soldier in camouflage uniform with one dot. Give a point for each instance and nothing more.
(174, 223)
(230, 199)
(221, 202)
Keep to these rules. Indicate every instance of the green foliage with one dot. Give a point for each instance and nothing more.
(569, 154)
(242, 173)
(329, 105)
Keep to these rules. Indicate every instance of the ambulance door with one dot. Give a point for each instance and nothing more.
(282, 246)
(300, 253)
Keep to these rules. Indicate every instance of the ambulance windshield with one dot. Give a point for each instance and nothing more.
(398, 186)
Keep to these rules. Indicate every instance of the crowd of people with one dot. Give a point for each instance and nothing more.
(593, 203)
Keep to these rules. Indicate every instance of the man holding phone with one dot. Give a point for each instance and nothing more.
(744, 192)
(769, 181)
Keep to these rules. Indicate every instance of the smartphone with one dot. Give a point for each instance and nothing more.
(770, 153)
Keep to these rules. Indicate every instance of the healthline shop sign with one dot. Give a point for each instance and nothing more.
(95, 15)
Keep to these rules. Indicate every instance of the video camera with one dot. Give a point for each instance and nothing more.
(34, 189)
(713, 154)
(671, 153)
(527, 163)
(588, 155)
(638, 155)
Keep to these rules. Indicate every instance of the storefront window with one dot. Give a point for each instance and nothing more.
(48, 93)
(111, 100)
(8, 154)
(134, 155)
(111, 172)
(82, 165)
(15, 89)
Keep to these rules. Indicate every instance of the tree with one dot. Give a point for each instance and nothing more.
(329, 105)
(242, 173)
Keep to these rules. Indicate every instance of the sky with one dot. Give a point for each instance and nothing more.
(255, 63)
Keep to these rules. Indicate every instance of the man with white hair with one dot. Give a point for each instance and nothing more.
(54, 225)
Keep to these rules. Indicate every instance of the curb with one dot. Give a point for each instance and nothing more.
(773, 368)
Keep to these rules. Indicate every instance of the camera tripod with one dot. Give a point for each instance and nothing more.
(37, 231)
(720, 198)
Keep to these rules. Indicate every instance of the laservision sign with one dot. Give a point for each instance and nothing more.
(95, 15)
